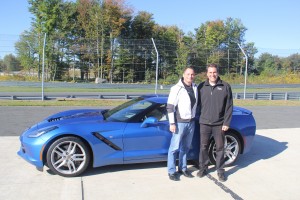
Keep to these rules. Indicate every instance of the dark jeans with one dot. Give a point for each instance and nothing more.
(206, 131)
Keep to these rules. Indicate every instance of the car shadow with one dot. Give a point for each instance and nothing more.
(263, 148)
(123, 167)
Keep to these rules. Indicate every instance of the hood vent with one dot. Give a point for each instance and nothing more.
(54, 119)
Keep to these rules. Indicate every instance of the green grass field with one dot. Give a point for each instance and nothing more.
(102, 102)
(109, 102)
(134, 90)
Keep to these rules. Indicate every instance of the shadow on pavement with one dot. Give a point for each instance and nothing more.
(125, 167)
(263, 148)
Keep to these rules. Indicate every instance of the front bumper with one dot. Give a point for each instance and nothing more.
(31, 151)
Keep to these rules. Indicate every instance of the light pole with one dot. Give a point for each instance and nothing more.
(246, 69)
(43, 69)
(156, 74)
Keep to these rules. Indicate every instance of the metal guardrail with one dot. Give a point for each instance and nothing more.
(269, 96)
(57, 97)
(255, 96)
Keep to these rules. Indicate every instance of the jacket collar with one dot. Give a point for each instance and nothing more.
(219, 82)
(180, 83)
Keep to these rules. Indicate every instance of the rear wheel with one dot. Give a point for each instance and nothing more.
(68, 156)
(232, 149)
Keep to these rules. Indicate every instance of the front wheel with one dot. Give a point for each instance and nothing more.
(232, 149)
(68, 156)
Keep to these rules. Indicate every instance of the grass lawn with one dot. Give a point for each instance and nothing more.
(110, 102)
(132, 90)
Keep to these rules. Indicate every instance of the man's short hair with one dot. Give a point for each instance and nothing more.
(192, 68)
(213, 66)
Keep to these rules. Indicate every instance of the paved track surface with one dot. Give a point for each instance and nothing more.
(268, 171)
(15, 119)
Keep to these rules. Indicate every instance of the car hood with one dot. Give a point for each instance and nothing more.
(77, 113)
(73, 116)
(241, 111)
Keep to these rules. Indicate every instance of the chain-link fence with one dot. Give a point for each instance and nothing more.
(121, 60)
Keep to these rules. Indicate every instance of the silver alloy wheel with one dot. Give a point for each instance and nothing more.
(68, 157)
(231, 149)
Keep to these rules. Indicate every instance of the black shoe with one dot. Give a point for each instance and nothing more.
(201, 173)
(186, 174)
(222, 177)
(173, 177)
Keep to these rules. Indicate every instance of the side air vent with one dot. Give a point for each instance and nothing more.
(106, 141)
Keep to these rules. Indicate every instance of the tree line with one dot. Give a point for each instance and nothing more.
(106, 39)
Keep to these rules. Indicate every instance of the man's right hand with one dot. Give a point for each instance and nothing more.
(173, 128)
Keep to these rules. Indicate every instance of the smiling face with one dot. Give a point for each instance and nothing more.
(188, 76)
(212, 75)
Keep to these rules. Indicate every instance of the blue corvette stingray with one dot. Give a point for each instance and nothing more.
(134, 132)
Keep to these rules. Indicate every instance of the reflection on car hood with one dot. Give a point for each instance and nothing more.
(73, 114)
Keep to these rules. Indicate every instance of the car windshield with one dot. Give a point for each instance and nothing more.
(128, 110)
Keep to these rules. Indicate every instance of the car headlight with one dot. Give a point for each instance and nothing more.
(42, 131)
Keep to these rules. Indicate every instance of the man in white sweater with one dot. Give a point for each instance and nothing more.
(181, 107)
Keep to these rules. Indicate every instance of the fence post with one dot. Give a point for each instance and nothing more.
(286, 96)
(270, 98)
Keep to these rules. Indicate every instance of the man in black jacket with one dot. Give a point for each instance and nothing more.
(216, 105)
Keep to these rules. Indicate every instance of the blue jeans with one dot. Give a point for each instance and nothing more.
(180, 146)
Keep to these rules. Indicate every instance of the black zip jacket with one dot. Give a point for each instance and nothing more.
(215, 103)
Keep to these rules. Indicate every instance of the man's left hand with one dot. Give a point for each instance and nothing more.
(225, 128)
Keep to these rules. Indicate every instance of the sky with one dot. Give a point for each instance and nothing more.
(272, 25)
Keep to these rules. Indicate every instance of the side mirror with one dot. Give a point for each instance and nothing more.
(149, 121)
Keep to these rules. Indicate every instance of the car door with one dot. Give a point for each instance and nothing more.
(147, 143)
(108, 147)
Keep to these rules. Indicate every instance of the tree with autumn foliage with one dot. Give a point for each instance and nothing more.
(104, 39)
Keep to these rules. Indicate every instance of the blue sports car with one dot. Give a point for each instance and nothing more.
(134, 132)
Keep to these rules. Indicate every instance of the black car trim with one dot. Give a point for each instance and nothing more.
(54, 119)
(106, 141)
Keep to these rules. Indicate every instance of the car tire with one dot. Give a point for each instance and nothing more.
(68, 156)
(232, 149)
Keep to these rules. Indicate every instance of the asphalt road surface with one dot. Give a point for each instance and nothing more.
(268, 171)
(14, 120)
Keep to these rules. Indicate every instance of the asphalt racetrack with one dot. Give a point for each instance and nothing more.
(16, 119)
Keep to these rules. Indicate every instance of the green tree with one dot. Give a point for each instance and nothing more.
(64, 38)
(27, 51)
(1, 65)
(142, 26)
(122, 63)
(210, 39)
(47, 15)
(292, 63)
(137, 36)
(115, 18)
(11, 63)
(87, 13)
(216, 42)
(250, 51)
(235, 33)
(172, 55)
(268, 65)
